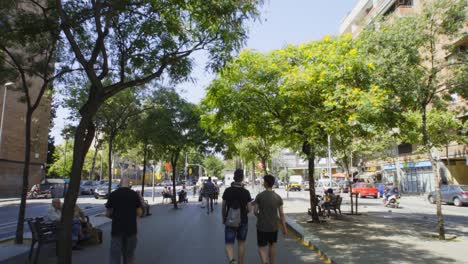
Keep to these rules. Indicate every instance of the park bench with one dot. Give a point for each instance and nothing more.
(167, 196)
(335, 206)
(42, 233)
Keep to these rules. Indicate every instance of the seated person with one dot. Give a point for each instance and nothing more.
(54, 214)
(144, 204)
(182, 195)
(329, 199)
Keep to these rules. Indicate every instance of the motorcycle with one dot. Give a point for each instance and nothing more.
(393, 201)
(47, 194)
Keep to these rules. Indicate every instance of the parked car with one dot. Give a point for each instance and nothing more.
(364, 189)
(344, 186)
(102, 190)
(451, 194)
(323, 185)
(294, 186)
(87, 187)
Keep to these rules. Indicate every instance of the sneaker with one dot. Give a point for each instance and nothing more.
(233, 261)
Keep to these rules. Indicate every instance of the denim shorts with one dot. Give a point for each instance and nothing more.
(123, 248)
(231, 233)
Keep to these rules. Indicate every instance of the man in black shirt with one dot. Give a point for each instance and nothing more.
(233, 196)
(123, 207)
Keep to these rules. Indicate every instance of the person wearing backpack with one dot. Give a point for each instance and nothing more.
(267, 206)
(236, 205)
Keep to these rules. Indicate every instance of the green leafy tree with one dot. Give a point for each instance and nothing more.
(214, 166)
(129, 44)
(178, 128)
(241, 101)
(411, 60)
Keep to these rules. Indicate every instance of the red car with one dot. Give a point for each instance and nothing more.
(364, 189)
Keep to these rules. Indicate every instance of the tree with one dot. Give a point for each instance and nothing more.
(178, 128)
(214, 166)
(412, 60)
(114, 116)
(242, 102)
(29, 37)
(129, 44)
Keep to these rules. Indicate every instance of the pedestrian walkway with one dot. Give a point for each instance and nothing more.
(354, 239)
(187, 235)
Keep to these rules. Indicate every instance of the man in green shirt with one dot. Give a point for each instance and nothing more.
(267, 206)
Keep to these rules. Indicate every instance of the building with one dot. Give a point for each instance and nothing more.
(416, 172)
(13, 125)
(12, 146)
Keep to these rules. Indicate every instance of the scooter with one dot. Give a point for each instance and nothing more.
(393, 201)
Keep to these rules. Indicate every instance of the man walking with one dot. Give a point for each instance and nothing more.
(267, 206)
(123, 207)
(236, 203)
(209, 190)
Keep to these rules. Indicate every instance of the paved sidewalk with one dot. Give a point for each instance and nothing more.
(370, 239)
(187, 235)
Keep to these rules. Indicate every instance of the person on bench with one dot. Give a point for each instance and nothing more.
(144, 204)
(329, 200)
(54, 215)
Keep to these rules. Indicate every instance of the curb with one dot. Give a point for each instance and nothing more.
(309, 241)
(9, 200)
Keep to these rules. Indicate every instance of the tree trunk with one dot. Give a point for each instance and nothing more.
(109, 159)
(83, 138)
(174, 158)
(253, 171)
(310, 153)
(437, 180)
(25, 187)
(263, 161)
(93, 164)
(145, 152)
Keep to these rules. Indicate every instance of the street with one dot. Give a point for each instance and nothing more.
(187, 235)
(38, 208)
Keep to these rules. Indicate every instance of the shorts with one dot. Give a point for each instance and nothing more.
(123, 247)
(231, 233)
(265, 238)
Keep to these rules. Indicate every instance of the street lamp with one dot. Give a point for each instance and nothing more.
(3, 110)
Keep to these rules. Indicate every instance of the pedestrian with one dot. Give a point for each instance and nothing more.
(54, 215)
(209, 189)
(216, 193)
(267, 206)
(236, 206)
(123, 207)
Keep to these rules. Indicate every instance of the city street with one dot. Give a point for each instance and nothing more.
(187, 235)
(38, 208)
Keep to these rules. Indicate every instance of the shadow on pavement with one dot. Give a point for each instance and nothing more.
(368, 239)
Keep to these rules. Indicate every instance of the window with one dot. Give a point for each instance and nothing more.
(405, 148)
(404, 3)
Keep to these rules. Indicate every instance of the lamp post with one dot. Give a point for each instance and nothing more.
(151, 162)
(3, 111)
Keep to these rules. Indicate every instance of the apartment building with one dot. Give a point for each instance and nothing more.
(13, 127)
(416, 172)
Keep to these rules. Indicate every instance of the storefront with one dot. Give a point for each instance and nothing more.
(417, 177)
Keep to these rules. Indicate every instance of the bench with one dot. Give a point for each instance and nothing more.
(42, 233)
(335, 206)
(167, 196)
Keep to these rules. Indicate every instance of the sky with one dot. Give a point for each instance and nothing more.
(282, 22)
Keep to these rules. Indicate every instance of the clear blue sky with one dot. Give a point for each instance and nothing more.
(282, 22)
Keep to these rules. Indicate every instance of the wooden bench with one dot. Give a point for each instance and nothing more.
(42, 233)
(335, 206)
(167, 196)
